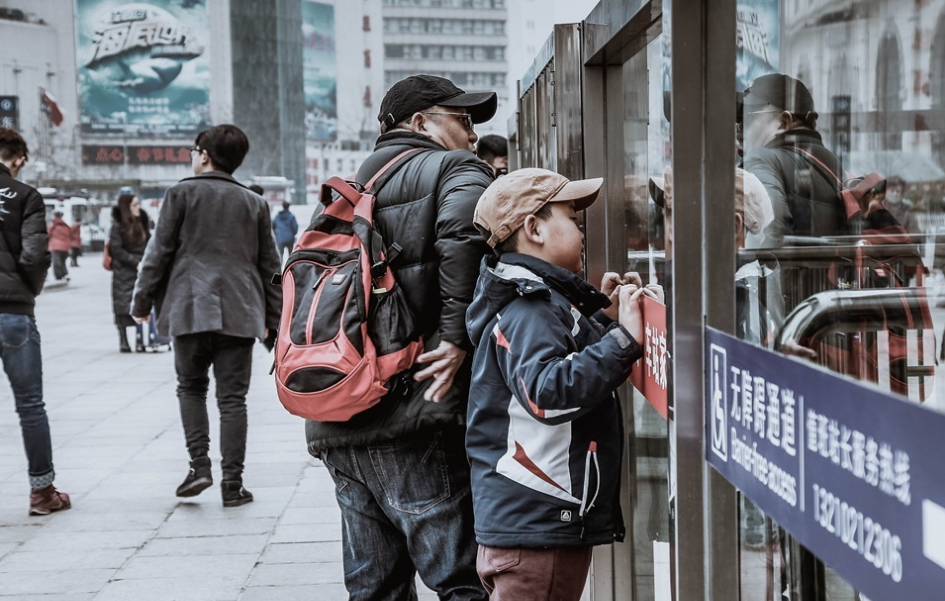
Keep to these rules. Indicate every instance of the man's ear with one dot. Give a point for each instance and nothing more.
(739, 223)
(785, 120)
(418, 122)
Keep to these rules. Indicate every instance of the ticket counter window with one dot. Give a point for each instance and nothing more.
(839, 119)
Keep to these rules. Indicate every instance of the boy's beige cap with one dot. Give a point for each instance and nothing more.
(506, 203)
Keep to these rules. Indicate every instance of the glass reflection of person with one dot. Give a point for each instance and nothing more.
(901, 207)
(759, 304)
(777, 116)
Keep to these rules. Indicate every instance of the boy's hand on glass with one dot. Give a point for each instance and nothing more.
(631, 310)
(610, 286)
(655, 291)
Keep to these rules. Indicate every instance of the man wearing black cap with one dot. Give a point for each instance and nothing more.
(400, 469)
(782, 147)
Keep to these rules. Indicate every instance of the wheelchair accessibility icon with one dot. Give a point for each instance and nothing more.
(718, 387)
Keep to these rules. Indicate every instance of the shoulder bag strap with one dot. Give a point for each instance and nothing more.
(819, 163)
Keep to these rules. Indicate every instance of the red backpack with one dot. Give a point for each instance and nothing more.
(346, 328)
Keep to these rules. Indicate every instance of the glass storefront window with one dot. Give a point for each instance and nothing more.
(646, 154)
(843, 247)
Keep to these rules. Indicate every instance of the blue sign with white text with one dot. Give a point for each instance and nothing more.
(856, 475)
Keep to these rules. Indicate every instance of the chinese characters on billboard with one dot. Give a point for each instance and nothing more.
(758, 40)
(319, 73)
(100, 154)
(10, 112)
(143, 68)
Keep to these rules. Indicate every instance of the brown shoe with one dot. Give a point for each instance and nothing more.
(47, 500)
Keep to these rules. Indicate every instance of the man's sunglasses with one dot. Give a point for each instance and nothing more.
(464, 118)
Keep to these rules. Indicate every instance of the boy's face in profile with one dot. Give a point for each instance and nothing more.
(563, 241)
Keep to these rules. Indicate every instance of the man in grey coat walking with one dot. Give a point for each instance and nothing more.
(207, 269)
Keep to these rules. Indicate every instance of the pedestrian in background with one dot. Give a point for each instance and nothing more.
(284, 228)
(127, 238)
(494, 150)
(400, 469)
(60, 241)
(75, 244)
(209, 265)
(24, 261)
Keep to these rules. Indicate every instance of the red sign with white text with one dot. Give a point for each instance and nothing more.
(96, 154)
(650, 372)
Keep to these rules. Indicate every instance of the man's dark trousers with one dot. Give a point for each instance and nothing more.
(232, 360)
(406, 508)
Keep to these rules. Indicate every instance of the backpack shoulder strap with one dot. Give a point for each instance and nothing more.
(394, 162)
(817, 162)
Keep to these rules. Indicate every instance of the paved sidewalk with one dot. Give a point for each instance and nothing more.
(119, 452)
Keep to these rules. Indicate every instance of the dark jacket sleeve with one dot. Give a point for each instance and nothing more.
(768, 169)
(156, 264)
(267, 263)
(554, 380)
(459, 245)
(117, 249)
(34, 257)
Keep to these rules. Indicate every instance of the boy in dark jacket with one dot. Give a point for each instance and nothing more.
(544, 430)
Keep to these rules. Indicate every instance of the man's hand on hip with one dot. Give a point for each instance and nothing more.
(444, 361)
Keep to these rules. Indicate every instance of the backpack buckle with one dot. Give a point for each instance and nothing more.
(378, 269)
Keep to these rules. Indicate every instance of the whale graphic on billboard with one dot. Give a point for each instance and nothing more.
(142, 67)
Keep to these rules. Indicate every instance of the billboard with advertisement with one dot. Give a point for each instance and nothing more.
(143, 68)
(758, 34)
(319, 71)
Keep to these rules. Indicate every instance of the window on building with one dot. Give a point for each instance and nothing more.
(366, 23)
(367, 59)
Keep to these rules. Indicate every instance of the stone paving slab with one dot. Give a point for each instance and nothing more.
(119, 452)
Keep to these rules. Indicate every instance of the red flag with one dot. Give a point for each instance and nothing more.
(50, 107)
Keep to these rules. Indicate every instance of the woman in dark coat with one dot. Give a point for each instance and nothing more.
(127, 239)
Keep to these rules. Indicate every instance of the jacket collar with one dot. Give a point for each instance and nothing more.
(214, 175)
(800, 136)
(5, 170)
(408, 138)
(533, 274)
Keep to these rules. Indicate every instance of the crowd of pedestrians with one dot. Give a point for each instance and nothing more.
(492, 466)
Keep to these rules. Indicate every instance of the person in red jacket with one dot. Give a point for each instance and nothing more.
(75, 244)
(60, 240)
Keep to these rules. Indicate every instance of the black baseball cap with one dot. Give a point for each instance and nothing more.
(781, 91)
(419, 92)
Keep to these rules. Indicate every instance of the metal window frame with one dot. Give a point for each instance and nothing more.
(705, 550)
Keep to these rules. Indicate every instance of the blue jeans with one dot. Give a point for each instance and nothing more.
(23, 363)
(406, 508)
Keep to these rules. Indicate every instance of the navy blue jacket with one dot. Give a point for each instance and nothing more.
(285, 227)
(544, 428)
